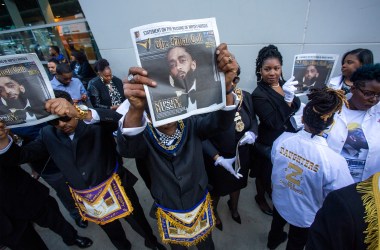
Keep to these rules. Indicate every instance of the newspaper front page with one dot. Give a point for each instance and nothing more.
(313, 71)
(24, 89)
(180, 57)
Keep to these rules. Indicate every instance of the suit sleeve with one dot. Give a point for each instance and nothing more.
(213, 123)
(269, 114)
(209, 149)
(131, 146)
(333, 227)
(108, 118)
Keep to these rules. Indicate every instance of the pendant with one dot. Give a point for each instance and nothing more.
(239, 126)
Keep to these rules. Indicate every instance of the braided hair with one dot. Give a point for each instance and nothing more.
(267, 52)
(318, 113)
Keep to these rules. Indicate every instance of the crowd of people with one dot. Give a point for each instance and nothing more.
(322, 177)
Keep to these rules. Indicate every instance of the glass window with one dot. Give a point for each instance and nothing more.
(5, 18)
(67, 37)
(64, 10)
(30, 12)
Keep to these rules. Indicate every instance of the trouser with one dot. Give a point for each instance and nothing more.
(51, 217)
(58, 183)
(297, 235)
(137, 220)
(30, 240)
(206, 244)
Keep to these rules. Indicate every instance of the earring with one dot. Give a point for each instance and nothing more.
(261, 77)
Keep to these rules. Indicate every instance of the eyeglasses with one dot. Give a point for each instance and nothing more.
(55, 122)
(369, 94)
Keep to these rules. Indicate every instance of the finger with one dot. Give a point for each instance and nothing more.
(293, 83)
(291, 79)
(137, 71)
(221, 47)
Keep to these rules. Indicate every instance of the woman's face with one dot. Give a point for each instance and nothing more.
(364, 98)
(106, 74)
(271, 71)
(350, 64)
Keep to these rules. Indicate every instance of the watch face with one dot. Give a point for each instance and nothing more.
(83, 107)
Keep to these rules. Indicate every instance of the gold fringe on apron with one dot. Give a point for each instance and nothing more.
(371, 202)
(104, 203)
(186, 228)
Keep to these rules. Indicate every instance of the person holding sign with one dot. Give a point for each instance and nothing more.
(173, 155)
(274, 102)
(81, 144)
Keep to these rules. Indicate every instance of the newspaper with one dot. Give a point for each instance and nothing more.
(180, 57)
(313, 71)
(24, 89)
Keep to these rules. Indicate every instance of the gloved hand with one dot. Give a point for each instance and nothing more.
(227, 165)
(248, 138)
(289, 89)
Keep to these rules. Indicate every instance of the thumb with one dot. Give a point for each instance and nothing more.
(291, 79)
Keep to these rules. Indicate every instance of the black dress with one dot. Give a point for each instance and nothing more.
(274, 115)
(224, 144)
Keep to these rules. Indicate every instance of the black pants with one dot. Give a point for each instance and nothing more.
(297, 235)
(207, 244)
(51, 217)
(30, 240)
(58, 183)
(137, 220)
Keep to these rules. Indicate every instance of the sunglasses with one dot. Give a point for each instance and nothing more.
(55, 122)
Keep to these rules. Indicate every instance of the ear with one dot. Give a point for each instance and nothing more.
(22, 89)
(193, 65)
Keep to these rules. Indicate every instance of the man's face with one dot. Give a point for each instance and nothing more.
(67, 127)
(311, 73)
(180, 63)
(65, 78)
(10, 90)
(52, 67)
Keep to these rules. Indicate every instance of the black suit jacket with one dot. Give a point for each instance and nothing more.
(273, 112)
(339, 224)
(87, 160)
(21, 197)
(100, 95)
(178, 181)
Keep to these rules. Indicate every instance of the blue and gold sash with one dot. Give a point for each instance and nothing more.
(104, 203)
(188, 227)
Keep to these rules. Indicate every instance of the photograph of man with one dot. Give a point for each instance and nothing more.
(310, 79)
(20, 103)
(183, 74)
(355, 149)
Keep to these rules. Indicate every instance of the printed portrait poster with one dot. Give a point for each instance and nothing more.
(313, 71)
(24, 89)
(180, 57)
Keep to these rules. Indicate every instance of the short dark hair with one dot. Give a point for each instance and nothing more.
(53, 60)
(101, 64)
(79, 56)
(56, 48)
(63, 94)
(366, 73)
(63, 68)
(365, 56)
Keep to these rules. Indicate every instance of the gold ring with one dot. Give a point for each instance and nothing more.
(230, 59)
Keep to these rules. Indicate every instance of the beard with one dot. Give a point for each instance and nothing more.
(18, 103)
(309, 82)
(185, 83)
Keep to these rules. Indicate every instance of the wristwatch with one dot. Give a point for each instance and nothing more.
(82, 111)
